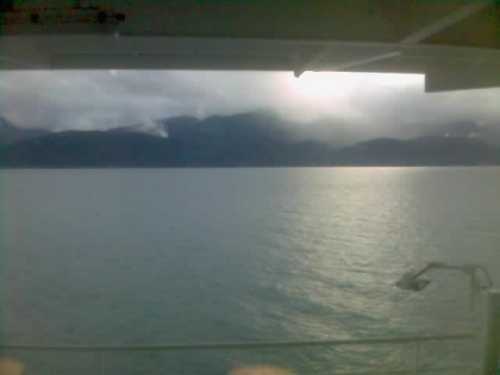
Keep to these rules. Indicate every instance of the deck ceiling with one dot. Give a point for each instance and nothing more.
(456, 43)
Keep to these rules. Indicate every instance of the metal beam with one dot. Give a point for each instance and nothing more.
(414, 38)
(436, 27)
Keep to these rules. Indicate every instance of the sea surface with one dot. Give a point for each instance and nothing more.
(147, 257)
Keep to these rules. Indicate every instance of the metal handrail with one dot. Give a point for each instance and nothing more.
(239, 346)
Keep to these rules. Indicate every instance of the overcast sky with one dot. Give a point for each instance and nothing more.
(102, 99)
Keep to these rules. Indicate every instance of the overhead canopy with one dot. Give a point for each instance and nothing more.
(456, 43)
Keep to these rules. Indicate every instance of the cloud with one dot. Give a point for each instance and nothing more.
(373, 103)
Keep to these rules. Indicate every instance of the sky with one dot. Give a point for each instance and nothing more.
(372, 103)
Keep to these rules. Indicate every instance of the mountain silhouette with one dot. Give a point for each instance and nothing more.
(10, 133)
(248, 139)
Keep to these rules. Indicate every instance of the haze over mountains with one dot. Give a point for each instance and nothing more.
(11, 134)
(259, 138)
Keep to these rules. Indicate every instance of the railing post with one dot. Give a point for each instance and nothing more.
(491, 332)
(100, 362)
(417, 355)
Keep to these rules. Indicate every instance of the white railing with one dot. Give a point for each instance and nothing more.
(239, 346)
(485, 363)
(101, 352)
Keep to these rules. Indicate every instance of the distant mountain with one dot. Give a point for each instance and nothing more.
(431, 150)
(256, 138)
(459, 129)
(251, 127)
(263, 125)
(89, 149)
(250, 139)
(155, 129)
(11, 134)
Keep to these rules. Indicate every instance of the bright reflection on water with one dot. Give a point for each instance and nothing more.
(146, 257)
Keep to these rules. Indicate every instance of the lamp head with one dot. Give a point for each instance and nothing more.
(411, 281)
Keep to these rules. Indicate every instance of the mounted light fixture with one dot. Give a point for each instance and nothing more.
(412, 280)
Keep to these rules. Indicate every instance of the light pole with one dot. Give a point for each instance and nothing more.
(480, 281)
(479, 276)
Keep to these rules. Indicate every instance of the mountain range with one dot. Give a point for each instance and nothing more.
(9, 133)
(247, 139)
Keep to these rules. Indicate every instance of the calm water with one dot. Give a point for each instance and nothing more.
(163, 256)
